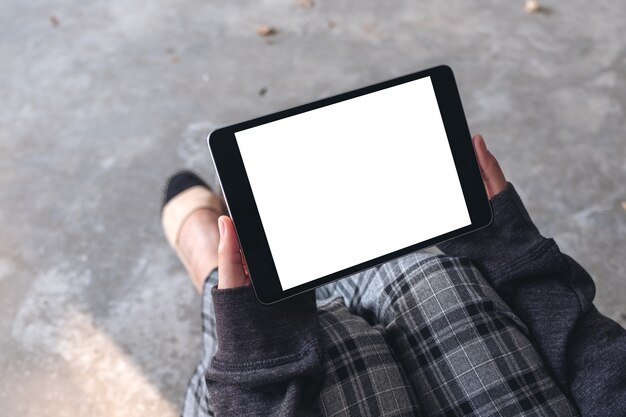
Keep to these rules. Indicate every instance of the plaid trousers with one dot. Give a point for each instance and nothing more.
(421, 335)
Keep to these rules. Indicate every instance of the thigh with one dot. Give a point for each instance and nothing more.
(463, 349)
(361, 375)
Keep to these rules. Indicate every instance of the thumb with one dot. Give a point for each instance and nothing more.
(229, 259)
(490, 170)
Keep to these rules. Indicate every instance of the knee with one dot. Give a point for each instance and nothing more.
(441, 286)
(431, 277)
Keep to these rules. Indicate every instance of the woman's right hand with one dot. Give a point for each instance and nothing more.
(490, 170)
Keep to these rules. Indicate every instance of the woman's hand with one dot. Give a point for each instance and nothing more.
(490, 170)
(232, 271)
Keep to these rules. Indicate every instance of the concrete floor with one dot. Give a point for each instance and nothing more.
(101, 100)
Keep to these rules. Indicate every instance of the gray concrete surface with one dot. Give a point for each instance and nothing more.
(101, 100)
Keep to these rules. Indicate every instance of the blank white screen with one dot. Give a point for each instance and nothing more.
(346, 183)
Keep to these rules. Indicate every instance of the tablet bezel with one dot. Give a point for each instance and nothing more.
(244, 212)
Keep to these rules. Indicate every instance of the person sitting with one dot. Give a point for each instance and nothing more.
(502, 323)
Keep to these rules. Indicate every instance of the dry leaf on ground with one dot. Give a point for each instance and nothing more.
(306, 4)
(265, 30)
(54, 21)
(532, 6)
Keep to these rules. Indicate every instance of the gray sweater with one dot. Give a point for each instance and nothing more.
(269, 358)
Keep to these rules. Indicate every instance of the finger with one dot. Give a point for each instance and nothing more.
(229, 260)
(490, 170)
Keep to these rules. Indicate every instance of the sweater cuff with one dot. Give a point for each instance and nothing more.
(510, 237)
(252, 336)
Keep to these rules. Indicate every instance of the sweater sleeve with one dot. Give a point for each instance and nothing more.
(268, 359)
(584, 350)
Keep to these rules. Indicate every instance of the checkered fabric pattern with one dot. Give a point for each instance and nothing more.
(362, 375)
(461, 347)
(421, 335)
(196, 403)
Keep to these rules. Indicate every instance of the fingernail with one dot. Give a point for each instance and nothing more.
(482, 142)
(220, 225)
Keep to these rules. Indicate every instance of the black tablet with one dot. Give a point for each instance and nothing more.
(324, 190)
